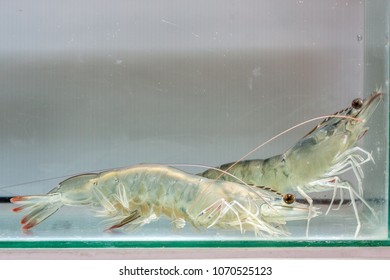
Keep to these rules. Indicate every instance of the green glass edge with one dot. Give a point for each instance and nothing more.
(204, 244)
(193, 244)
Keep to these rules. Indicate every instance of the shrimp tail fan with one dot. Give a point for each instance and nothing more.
(38, 208)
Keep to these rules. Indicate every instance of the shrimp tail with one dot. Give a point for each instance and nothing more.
(39, 208)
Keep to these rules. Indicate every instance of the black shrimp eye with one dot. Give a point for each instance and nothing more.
(357, 103)
(289, 198)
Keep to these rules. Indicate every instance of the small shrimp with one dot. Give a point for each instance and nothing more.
(135, 196)
(316, 161)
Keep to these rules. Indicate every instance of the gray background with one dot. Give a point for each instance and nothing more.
(103, 84)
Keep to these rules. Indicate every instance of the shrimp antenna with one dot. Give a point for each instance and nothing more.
(284, 132)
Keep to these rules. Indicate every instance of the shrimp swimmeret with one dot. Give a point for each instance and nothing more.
(132, 197)
(316, 161)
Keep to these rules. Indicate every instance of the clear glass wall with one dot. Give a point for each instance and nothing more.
(88, 87)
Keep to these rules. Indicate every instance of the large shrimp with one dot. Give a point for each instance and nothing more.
(132, 197)
(316, 161)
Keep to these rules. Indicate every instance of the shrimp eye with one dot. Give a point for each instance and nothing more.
(357, 103)
(289, 198)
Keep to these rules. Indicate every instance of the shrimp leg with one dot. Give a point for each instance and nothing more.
(311, 211)
(336, 183)
(131, 218)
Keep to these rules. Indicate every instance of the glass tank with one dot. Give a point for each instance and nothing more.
(194, 124)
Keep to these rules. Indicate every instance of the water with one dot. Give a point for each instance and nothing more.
(93, 93)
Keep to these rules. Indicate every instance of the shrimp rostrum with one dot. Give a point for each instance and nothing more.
(131, 197)
(315, 162)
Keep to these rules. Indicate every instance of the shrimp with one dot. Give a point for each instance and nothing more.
(132, 197)
(316, 161)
